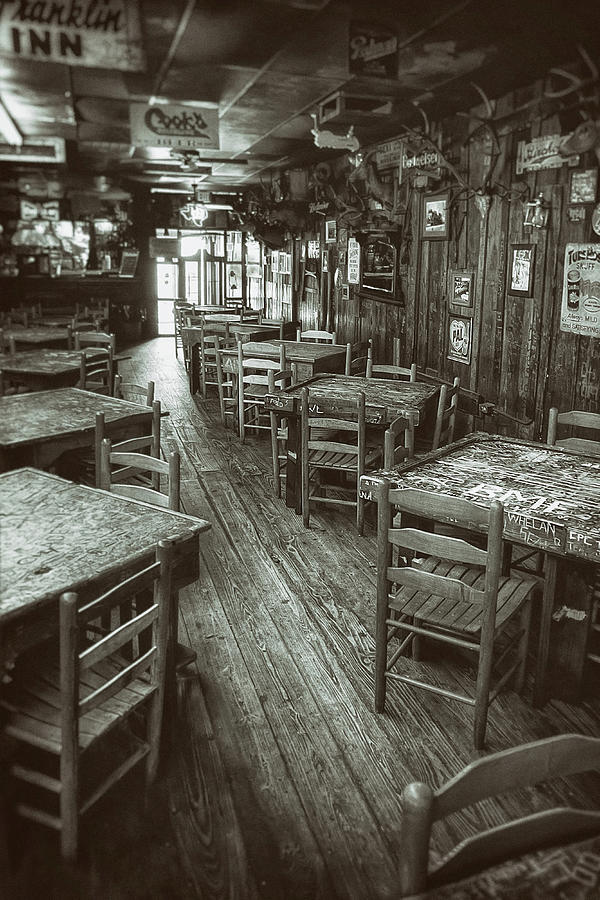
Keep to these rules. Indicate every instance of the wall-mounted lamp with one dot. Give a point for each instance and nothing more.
(537, 212)
(8, 127)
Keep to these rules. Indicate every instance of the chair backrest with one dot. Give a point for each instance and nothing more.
(554, 757)
(424, 543)
(256, 376)
(399, 440)
(130, 464)
(576, 419)
(383, 370)
(95, 373)
(445, 419)
(357, 357)
(319, 432)
(323, 337)
(7, 343)
(93, 635)
(96, 339)
(146, 443)
(135, 393)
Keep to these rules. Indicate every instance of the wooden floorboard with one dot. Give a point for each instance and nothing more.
(278, 779)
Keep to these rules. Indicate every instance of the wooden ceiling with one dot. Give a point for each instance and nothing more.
(266, 65)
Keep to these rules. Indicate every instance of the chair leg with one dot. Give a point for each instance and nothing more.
(381, 649)
(69, 815)
(360, 510)
(155, 716)
(482, 693)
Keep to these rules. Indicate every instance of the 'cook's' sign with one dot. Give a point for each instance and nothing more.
(174, 125)
(103, 34)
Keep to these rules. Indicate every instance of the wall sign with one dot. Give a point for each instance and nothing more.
(520, 279)
(353, 261)
(174, 125)
(85, 33)
(461, 289)
(583, 186)
(389, 154)
(580, 307)
(542, 153)
(459, 339)
(373, 50)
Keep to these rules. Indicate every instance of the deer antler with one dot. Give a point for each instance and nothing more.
(575, 82)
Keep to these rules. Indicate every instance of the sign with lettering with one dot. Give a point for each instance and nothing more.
(389, 154)
(174, 125)
(353, 261)
(580, 307)
(426, 159)
(373, 50)
(76, 32)
(542, 153)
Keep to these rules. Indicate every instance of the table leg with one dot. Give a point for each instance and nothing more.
(539, 688)
(194, 368)
(293, 469)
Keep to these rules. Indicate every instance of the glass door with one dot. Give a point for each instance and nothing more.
(167, 287)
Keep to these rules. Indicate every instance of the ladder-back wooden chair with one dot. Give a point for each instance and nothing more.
(64, 704)
(135, 393)
(559, 756)
(452, 592)
(335, 443)
(357, 357)
(316, 336)
(148, 444)
(445, 419)
(399, 373)
(211, 366)
(256, 378)
(180, 310)
(120, 471)
(97, 369)
(579, 419)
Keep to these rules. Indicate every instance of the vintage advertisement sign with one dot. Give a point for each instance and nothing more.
(389, 154)
(106, 35)
(174, 125)
(580, 307)
(425, 159)
(542, 153)
(353, 261)
(373, 50)
(459, 339)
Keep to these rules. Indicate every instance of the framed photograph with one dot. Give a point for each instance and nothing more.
(520, 278)
(583, 186)
(330, 231)
(461, 289)
(460, 333)
(378, 267)
(234, 281)
(434, 218)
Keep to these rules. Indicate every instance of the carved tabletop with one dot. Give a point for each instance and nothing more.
(385, 400)
(56, 535)
(42, 425)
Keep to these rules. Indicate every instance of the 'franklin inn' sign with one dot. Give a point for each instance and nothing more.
(101, 33)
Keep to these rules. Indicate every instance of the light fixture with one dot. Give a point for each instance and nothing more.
(8, 127)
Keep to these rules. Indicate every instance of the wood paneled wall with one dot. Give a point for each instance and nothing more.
(520, 359)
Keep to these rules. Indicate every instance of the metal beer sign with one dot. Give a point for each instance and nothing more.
(174, 125)
(104, 34)
(580, 307)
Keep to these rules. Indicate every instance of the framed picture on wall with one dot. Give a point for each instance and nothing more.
(460, 333)
(330, 231)
(434, 216)
(583, 186)
(520, 276)
(461, 289)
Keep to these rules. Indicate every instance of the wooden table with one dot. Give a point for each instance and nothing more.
(36, 428)
(309, 358)
(384, 401)
(563, 872)
(551, 499)
(45, 368)
(58, 536)
(38, 336)
(242, 331)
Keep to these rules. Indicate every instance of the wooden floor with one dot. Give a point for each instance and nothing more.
(279, 782)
